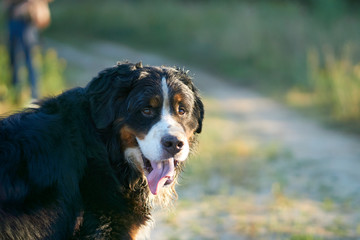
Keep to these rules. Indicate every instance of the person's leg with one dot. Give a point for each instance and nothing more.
(13, 50)
(31, 72)
(27, 46)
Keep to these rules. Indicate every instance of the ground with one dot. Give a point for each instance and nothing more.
(262, 171)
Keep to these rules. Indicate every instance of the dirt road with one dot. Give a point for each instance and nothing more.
(317, 170)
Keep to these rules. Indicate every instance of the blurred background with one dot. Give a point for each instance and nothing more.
(279, 153)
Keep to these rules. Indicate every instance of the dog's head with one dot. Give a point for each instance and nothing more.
(155, 113)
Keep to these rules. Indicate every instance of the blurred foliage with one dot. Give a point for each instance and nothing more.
(336, 82)
(50, 71)
(259, 43)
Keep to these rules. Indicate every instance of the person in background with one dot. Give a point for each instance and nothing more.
(24, 17)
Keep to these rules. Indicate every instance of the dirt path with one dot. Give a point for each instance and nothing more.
(318, 165)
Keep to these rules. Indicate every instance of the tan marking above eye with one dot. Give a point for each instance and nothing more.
(178, 98)
(155, 101)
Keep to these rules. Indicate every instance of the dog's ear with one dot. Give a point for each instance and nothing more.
(199, 107)
(108, 90)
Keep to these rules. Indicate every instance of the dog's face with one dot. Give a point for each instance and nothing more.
(159, 113)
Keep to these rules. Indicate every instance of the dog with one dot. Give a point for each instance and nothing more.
(92, 162)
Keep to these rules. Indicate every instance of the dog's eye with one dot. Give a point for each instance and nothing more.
(147, 111)
(181, 111)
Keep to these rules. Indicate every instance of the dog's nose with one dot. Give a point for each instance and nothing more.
(172, 144)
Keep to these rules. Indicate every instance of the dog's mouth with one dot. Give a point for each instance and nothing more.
(159, 173)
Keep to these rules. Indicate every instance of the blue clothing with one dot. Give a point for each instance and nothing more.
(20, 40)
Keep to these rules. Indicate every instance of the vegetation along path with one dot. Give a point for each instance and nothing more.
(261, 172)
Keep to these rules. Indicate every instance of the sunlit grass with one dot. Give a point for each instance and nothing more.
(334, 92)
(276, 216)
(259, 217)
(336, 82)
(222, 152)
(52, 69)
(237, 186)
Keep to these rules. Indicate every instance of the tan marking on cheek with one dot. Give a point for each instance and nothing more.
(128, 137)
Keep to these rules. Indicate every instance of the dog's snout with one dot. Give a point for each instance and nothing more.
(172, 144)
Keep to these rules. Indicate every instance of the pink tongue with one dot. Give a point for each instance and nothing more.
(162, 171)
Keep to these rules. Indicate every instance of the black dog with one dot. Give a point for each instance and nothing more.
(90, 163)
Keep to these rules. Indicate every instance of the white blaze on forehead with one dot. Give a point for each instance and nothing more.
(151, 146)
(166, 103)
(166, 117)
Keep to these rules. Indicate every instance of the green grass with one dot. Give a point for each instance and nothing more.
(336, 82)
(50, 69)
(304, 237)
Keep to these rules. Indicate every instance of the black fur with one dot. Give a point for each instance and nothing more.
(65, 159)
